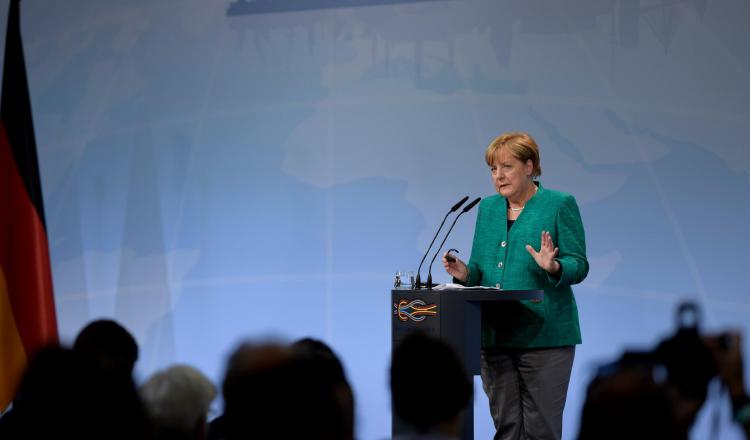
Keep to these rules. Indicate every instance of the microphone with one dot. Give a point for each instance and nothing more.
(464, 211)
(455, 207)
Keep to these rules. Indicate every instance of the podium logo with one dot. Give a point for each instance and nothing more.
(415, 310)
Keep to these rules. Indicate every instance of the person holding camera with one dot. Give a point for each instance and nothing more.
(664, 389)
(693, 360)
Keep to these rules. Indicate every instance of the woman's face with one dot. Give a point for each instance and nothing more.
(511, 177)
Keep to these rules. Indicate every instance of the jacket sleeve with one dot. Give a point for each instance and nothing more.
(571, 242)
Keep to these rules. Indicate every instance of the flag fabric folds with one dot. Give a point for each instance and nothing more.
(27, 309)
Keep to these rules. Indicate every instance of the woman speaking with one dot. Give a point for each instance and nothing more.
(526, 237)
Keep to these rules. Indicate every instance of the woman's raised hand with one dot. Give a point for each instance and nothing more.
(546, 255)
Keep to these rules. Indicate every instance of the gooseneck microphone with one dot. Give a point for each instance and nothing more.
(464, 211)
(455, 207)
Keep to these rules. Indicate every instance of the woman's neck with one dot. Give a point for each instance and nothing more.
(521, 200)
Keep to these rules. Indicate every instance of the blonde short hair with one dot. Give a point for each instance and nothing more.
(521, 145)
(178, 398)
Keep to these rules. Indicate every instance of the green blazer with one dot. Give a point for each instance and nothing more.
(499, 259)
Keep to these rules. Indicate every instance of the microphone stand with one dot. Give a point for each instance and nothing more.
(465, 210)
(418, 281)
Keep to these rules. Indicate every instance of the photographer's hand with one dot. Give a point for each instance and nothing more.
(727, 352)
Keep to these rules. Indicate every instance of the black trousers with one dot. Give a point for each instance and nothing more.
(527, 389)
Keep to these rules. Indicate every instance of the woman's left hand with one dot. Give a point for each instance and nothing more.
(545, 257)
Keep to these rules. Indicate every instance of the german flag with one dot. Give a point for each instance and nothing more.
(27, 309)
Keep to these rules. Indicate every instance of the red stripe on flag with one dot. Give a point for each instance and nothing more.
(24, 257)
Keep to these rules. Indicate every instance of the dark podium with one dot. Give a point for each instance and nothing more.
(452, 315)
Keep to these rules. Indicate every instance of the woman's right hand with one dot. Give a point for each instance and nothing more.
(457, 268)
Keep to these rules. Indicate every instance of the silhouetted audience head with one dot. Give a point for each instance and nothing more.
(109, 344)
(315, 350)
(66, 395)
(319, 357)
(177, 400)
(271, 392)
(429, 385)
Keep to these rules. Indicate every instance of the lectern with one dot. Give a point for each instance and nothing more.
(453, 315)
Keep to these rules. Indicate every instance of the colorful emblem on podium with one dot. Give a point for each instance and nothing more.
(415, 310)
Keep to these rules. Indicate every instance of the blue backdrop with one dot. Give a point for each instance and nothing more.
(210, 177)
